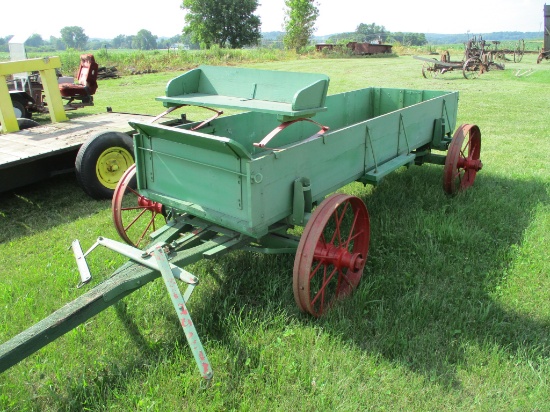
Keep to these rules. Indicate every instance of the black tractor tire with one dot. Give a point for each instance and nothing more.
(24, 123)
(101, 162)
(20, 110)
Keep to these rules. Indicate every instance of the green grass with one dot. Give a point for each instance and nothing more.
(452, 313)
(147, 61)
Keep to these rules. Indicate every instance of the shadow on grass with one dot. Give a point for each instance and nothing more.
(435, 264)
(434, 269)
(41, 206)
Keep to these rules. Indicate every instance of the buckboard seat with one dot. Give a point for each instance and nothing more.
(287, 94)
(87, 81)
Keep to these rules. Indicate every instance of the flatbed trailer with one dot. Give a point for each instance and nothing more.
(40, 152)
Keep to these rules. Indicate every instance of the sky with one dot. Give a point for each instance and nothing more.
(106, 19)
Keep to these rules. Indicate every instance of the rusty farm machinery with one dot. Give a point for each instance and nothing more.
(479, 58)
(217, 185)
(545, 52)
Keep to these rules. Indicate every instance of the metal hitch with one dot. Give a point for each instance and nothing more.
(156, 258)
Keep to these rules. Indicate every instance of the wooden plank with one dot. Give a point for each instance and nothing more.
(47, 140)
(375, 176)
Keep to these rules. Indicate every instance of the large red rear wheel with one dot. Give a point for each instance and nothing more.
(134, 216)
(462, 162)
(331, 254)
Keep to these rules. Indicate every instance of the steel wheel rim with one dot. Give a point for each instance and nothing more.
(472, 68)
(111, 165)
(462, 162)
(428, 71)
(134, 215)
(520, 50)
(331, 256)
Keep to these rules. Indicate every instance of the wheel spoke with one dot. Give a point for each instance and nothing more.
(126, 228)
(359, 233)
(314, 271)
(133, 191)
(324, 284)
(338, 222)
(322, 238)
(352, 229)
(152, 221)
(134, 208)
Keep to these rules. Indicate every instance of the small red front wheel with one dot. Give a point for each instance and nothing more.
(462, 162)
(331, 254)
(134, 215)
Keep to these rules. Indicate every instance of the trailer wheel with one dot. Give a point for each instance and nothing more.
(24, 123)
(134, 215)
(462, 162)
(101, 162)
(20, 109)
(331, 254)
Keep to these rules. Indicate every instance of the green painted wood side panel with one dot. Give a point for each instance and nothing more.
(221, 177)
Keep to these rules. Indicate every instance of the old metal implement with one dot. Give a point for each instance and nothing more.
(478, 59)
(205, 188)
(545, 51)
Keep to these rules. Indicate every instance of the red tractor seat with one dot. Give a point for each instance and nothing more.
(87, 80)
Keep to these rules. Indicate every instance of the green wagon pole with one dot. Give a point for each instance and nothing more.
(127, 279)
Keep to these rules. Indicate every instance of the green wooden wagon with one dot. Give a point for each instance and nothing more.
(244, 181)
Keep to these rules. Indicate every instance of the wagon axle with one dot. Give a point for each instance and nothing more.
(339, 257)
(469, 164)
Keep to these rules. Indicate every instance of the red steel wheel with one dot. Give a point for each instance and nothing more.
(462, 162)
(331, 254)
(134, 215)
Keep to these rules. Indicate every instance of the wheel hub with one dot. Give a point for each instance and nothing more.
(148, 204)
(469, 164)
(338, 257)
(112, 166)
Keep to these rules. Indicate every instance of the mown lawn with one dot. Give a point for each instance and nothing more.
(453, 312)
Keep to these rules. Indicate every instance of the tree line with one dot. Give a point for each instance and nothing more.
(372, 33)
(73, 37)
(226, 24)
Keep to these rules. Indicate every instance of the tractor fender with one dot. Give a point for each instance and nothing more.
(23, 104)
(23, 97)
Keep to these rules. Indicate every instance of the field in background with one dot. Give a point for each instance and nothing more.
(146, 61)
(453, 312)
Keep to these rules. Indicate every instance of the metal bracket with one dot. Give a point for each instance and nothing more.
(301, 202)
(156, 258)
(85, 275)
(439, 138)
(137, 255)
(283, 126)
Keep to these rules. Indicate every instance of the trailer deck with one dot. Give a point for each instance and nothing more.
(40, 152)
